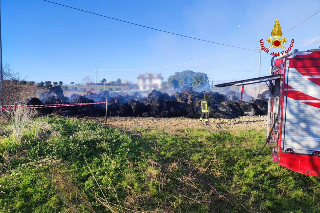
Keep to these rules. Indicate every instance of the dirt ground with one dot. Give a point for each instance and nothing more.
(172, 124)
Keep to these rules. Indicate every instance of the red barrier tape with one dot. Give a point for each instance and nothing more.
(50, 105)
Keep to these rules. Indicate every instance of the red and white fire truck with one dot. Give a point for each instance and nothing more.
(294, 110)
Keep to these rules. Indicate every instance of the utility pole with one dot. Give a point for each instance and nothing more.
(96, 81)
(1, 70)
(259, 69)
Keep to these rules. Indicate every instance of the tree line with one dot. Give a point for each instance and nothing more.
(48, 84)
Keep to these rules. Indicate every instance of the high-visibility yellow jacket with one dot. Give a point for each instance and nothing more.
(204, 106)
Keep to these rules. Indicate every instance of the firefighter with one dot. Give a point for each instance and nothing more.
(205, 110)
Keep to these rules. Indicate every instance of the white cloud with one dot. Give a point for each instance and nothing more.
(239, 25)
(311, 42)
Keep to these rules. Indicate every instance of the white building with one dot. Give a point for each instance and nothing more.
(149, 81)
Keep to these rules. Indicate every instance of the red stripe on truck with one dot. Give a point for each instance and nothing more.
(305, 63)
(296, 95)
(314, 104)
(315, 80)
(309, 71)
(286, 86)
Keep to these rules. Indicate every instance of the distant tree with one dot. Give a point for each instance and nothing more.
(60, 83)
(9, 74)
(103, 81)
(41, 84)
(118, 81)
(47, 84)
(188, 78)
(175, 83)
(87, 80)
(22, 82)
(71, 83)
(55, 83)
(15, 81)
(31, 83)
(200, 80)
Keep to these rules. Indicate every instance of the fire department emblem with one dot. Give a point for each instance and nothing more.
(275, 40)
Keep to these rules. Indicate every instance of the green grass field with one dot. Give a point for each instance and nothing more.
(54, 164)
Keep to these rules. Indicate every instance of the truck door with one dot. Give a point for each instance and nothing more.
(301, 118)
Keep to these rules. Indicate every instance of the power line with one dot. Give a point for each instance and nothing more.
(230, 62)
(303, 21)
(151, 28)
(163, 66)
(174, 65)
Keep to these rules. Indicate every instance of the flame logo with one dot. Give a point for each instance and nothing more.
(276, 41)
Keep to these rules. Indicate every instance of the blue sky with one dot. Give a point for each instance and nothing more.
(43, 41)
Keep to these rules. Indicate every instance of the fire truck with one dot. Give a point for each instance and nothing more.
(293, 120)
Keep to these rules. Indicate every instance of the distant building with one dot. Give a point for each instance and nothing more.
(149, 81)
